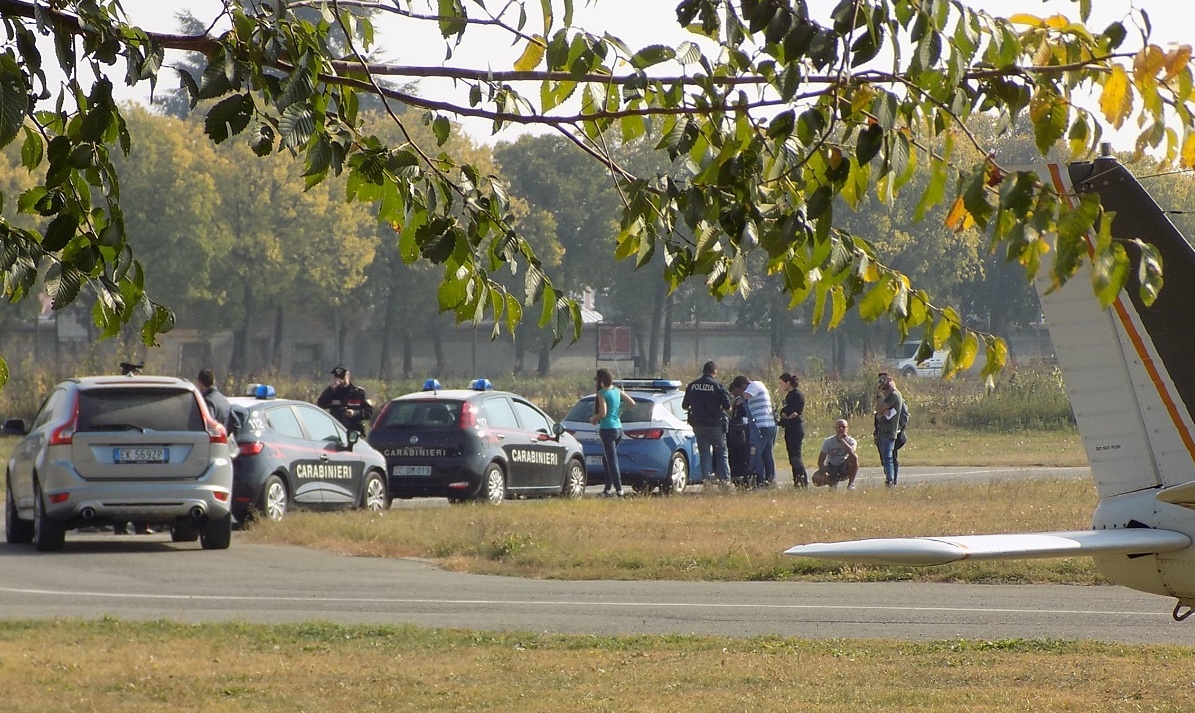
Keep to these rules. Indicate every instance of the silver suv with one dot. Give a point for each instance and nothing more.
(114, 449)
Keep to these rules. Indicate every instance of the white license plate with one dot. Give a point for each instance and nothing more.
(142, 455)
(412, 470)
(594, 460)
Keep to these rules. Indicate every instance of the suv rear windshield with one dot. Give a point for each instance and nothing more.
(641, 412)
(421, 414)
(145, 409)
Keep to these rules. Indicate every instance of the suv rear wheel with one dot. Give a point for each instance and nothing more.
(16, 530)
(49, 535)
(216, 533)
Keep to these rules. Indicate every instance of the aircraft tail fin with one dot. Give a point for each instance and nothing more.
(1128, 369)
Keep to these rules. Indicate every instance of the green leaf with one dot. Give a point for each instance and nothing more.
(1149, 271)
(442, 129)
(32, 150)
(871, 140)
(14, 102)
(228, 117)
(652, 55)
(296, 125)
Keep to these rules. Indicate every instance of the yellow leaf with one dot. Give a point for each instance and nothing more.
(1116, 101)
(959, 219)
(1176, 60)
(1058, 22)
(532, 55)
(1147, 62)
(1188, 155)
(1022, 18)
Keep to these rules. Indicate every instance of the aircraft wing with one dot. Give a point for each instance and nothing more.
(921, 551)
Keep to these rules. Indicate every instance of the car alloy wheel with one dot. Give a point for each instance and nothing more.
(493, 484)
(678, 475)
(274, 499)
(574, 480)
(373, 495)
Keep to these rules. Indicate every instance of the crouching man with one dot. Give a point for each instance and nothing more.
(837, 460)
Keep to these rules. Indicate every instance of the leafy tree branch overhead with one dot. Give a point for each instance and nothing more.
(777, 116)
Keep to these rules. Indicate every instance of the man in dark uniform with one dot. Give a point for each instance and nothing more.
(217, 404)
(346, 401)
(706, 400)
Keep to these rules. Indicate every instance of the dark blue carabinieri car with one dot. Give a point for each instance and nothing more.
(294, 454)
(475, 444)
(659, 449)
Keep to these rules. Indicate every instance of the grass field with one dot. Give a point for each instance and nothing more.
(51, 667)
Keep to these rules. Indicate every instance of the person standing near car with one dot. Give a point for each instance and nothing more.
(889, 404)
(707, 400)
(607, 407)
(346, 401)
(759, 404)
(792, 420)
(217, 403)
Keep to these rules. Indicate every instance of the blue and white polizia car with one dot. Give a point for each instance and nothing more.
(659, 449)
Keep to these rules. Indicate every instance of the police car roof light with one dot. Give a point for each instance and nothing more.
(481, 385)
(650, 384)
(432, 385)
(264, 391)
(251, 389)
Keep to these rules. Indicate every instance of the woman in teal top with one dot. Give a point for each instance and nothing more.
(607, 408)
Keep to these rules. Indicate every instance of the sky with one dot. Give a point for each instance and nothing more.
(640, 23)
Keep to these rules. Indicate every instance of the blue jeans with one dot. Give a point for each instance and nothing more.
(765, 463)
(610, 438)
(886, 447)
(711, 446)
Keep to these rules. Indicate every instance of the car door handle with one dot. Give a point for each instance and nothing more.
(501, 436)
(323, 456)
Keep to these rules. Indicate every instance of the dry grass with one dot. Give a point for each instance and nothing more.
(103, 666)
(709, 536)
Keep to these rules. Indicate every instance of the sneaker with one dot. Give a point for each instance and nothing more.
(851, 486)
(619, 494)
(607, 494)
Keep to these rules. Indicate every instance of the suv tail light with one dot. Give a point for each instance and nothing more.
(651, 434)
(64, 435)
(468, 415)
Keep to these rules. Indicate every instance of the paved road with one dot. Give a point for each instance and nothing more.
(148, 577)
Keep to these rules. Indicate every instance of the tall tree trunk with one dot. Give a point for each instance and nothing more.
(544, 368)
(433, 332)
(668, 303)
(239, 359)
(276, 350)
(389, 329)
(520, 350)
(657, 321)
(408, 357)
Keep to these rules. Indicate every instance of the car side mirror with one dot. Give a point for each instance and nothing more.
(354, 437)
(557, 430)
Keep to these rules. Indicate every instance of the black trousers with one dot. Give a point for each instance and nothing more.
(794, 437)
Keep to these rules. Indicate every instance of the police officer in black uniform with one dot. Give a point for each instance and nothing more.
(346, 401)
(706, 400)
